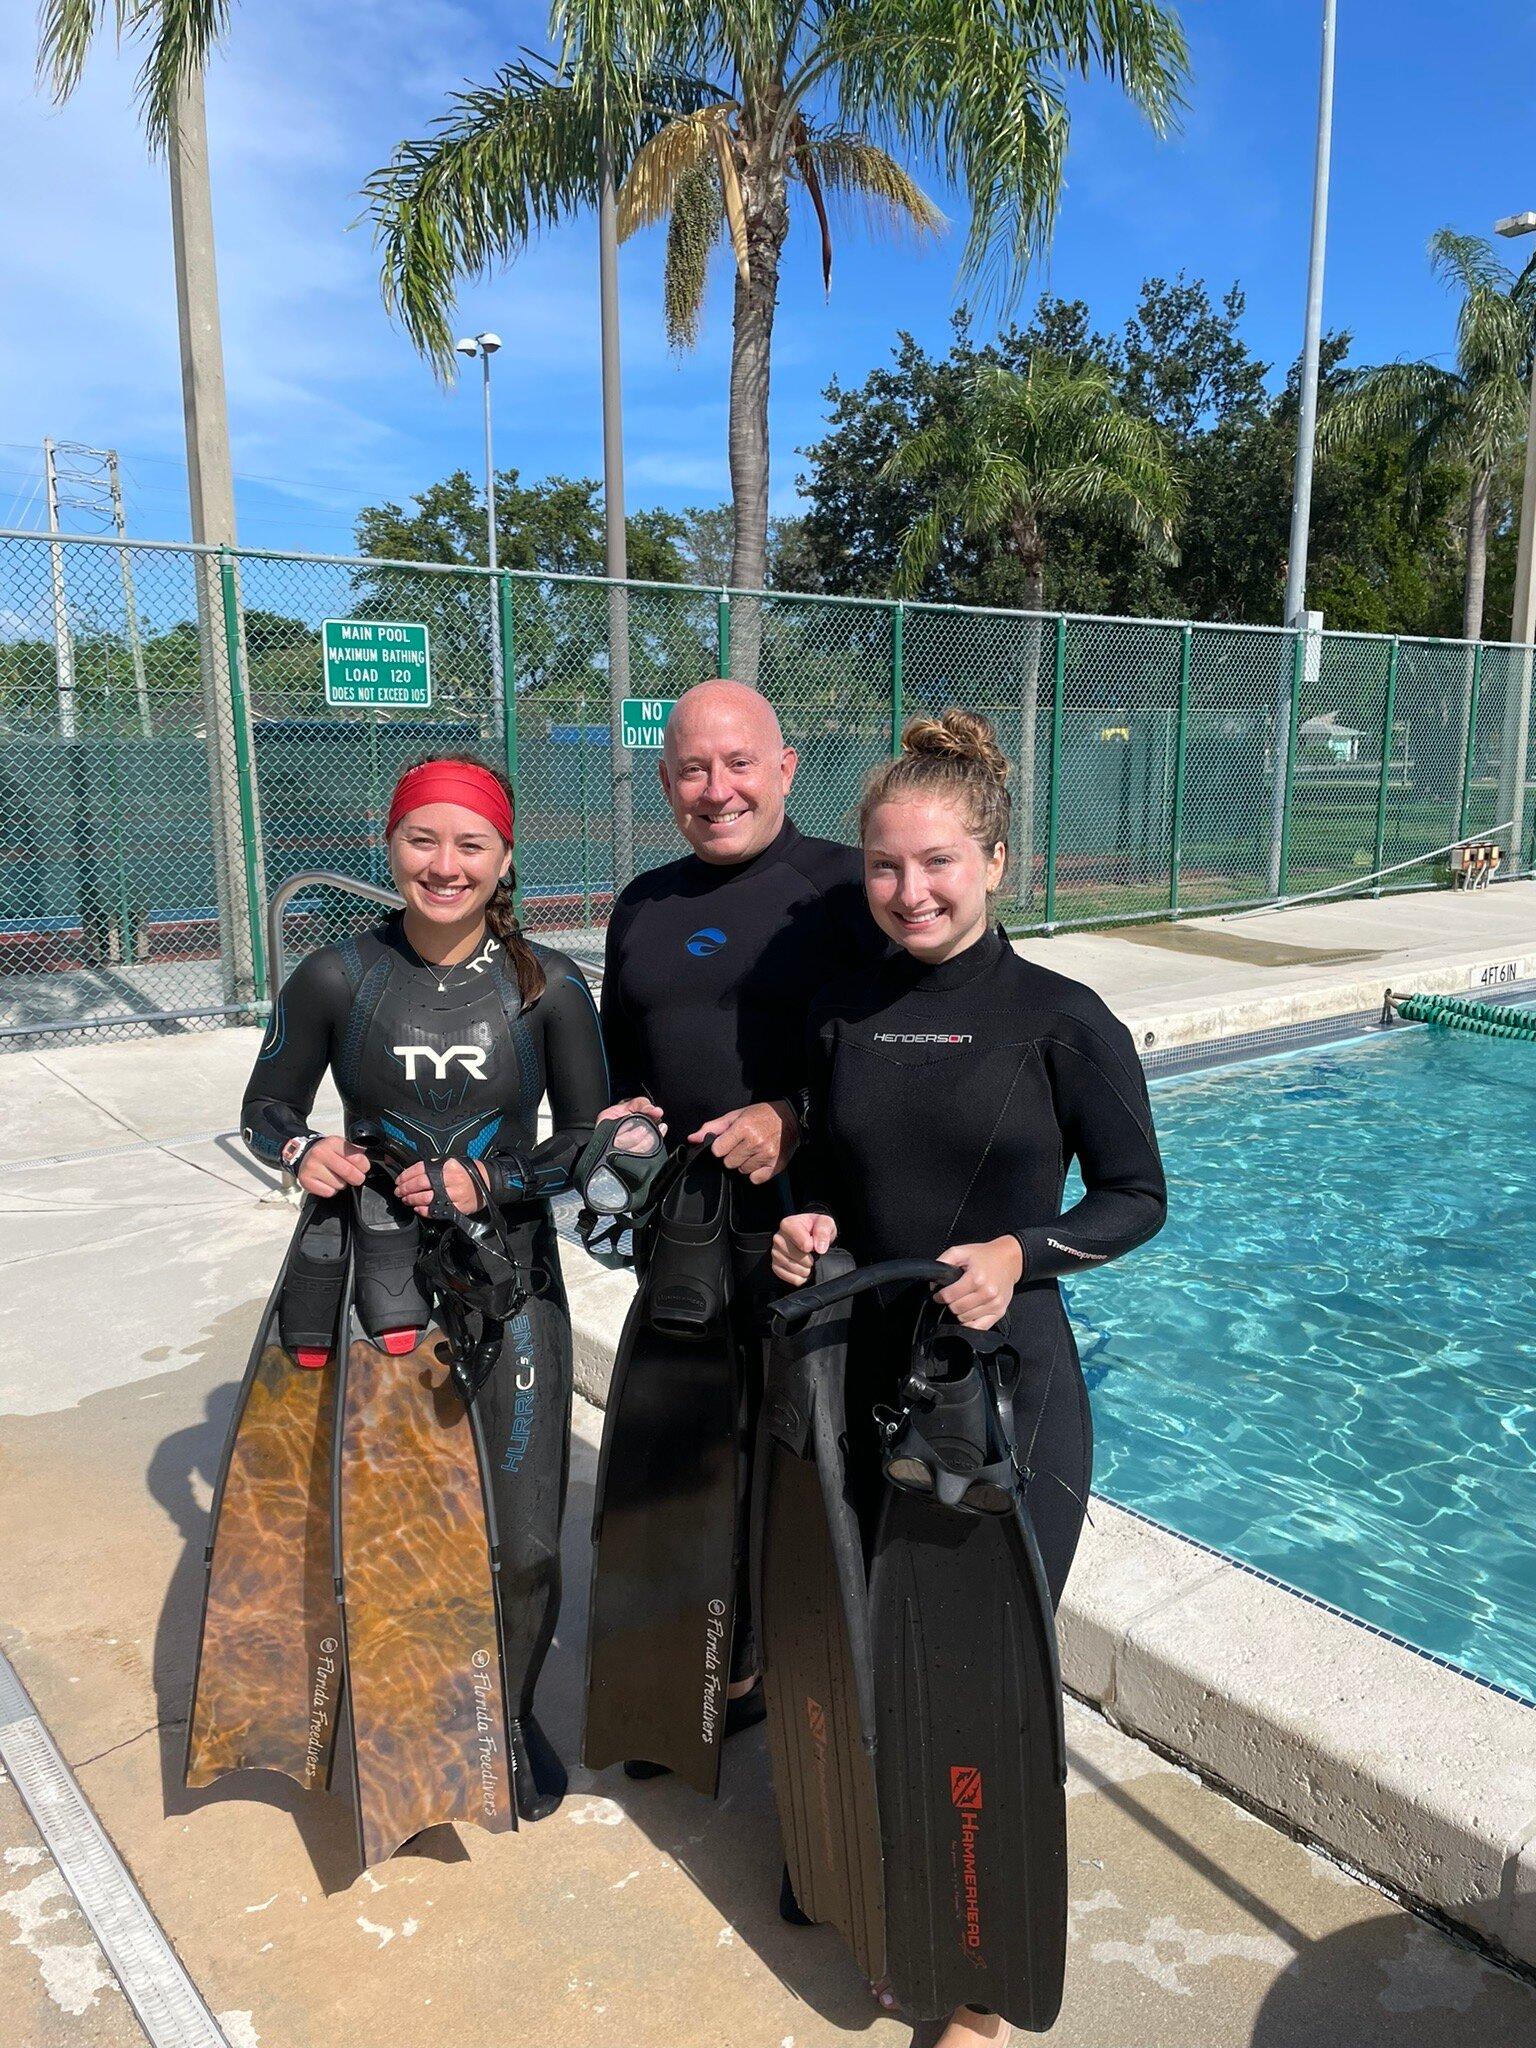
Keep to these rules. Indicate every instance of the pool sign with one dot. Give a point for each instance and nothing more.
(376, 662)
(642, 720)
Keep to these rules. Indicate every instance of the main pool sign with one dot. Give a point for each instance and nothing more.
(377, 662)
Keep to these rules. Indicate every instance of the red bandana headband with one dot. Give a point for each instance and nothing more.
(452, 782)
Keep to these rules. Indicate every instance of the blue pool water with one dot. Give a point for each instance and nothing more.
(1326, 1365)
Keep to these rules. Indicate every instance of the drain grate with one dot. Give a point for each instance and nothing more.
(167, 2002)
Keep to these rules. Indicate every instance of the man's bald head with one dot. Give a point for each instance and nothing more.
(720, 706)
(726, 770)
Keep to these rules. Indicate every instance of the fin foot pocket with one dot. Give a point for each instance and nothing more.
(541, 1779)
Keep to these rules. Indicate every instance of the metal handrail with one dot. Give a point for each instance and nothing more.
(312, 878)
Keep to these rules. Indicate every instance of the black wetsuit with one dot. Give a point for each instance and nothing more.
(946, 1104)
(710, 972)
(454, 1066)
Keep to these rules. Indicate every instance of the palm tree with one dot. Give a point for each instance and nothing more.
(715, 114)
(1019, 449)
(1474, 414)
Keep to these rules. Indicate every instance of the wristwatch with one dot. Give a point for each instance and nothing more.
(295, 1148)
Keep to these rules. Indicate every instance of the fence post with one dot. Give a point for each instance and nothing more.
(898, 645)
(1298, 658)
(1466, 764)
(1181, 750)
(243, 778)
(1053, 773)
(508, 676)
(1389, 719)
(723, 635)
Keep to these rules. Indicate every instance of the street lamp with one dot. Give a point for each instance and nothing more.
(1306, 434)
(1517, 703)
(485, 346)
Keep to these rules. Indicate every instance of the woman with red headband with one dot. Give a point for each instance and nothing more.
(446, 1027)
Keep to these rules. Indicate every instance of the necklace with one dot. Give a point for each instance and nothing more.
(477, 965)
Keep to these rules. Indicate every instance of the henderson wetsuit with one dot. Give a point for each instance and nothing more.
(946, 1104)
(709, 973)
(454, 1066)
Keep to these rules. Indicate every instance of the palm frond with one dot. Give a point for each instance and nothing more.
(697, 219)
(505, 161)
(805, 163)
(1021, 446)
(1394, 401)
(177, 35)
(650, 187)
(867, 179)
(731, 194)
(1468, 262)
(977, 86)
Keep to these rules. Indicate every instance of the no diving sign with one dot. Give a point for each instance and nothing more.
(643, 721)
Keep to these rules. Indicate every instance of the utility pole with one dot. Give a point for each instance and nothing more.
(130, 603)
(63, 646)
(1306, 434)
(615, 552)
(238, 868)
(87, 481)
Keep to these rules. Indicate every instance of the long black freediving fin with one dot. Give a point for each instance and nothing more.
(665, 1520)
(810, 1598)
(970, 1756)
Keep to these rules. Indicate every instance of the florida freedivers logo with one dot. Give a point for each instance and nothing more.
(706, 940)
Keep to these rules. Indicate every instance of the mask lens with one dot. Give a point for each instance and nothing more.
(638, 1137)
(605, 1192)
(911, 1474)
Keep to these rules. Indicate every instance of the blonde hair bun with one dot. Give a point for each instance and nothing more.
(955, 758)
(964, 737)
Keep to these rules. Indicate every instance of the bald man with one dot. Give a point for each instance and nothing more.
(712, 962)
(713, 959)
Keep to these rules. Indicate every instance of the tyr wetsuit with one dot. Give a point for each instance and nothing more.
(710, 972)
(454, 1065)
(946, 1104)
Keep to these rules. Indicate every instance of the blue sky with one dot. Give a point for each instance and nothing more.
(331, 409)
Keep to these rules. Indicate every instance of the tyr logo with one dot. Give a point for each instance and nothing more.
(470, 1057)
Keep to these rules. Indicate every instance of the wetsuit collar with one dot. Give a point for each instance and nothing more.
(959, 970)
(731, 871)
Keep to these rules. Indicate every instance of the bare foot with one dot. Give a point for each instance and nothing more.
(740, 1687)
(970, 2029)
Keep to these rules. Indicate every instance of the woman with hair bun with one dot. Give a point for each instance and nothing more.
(447, 1028)
(950, 1090)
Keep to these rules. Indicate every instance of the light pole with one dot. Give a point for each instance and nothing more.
(1306, 434)
(485, 346)
(1517, 702)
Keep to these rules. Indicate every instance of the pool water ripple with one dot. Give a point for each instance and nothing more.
(1326, 1365)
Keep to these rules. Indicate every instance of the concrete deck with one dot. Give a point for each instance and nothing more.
(641, 1914)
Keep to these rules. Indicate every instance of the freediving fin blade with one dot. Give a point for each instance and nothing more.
(416, 1563)
(970, 1763)
(269, 1667)
(811, 1605)
(665, 1522)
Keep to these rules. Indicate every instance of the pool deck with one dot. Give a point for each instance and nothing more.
(140, 1244)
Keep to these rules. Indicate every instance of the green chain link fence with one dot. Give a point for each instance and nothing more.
(168, 757)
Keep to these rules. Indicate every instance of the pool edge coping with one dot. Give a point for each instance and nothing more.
(1417, 1775)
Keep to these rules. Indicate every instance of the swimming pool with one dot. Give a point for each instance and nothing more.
(1326, 1365)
